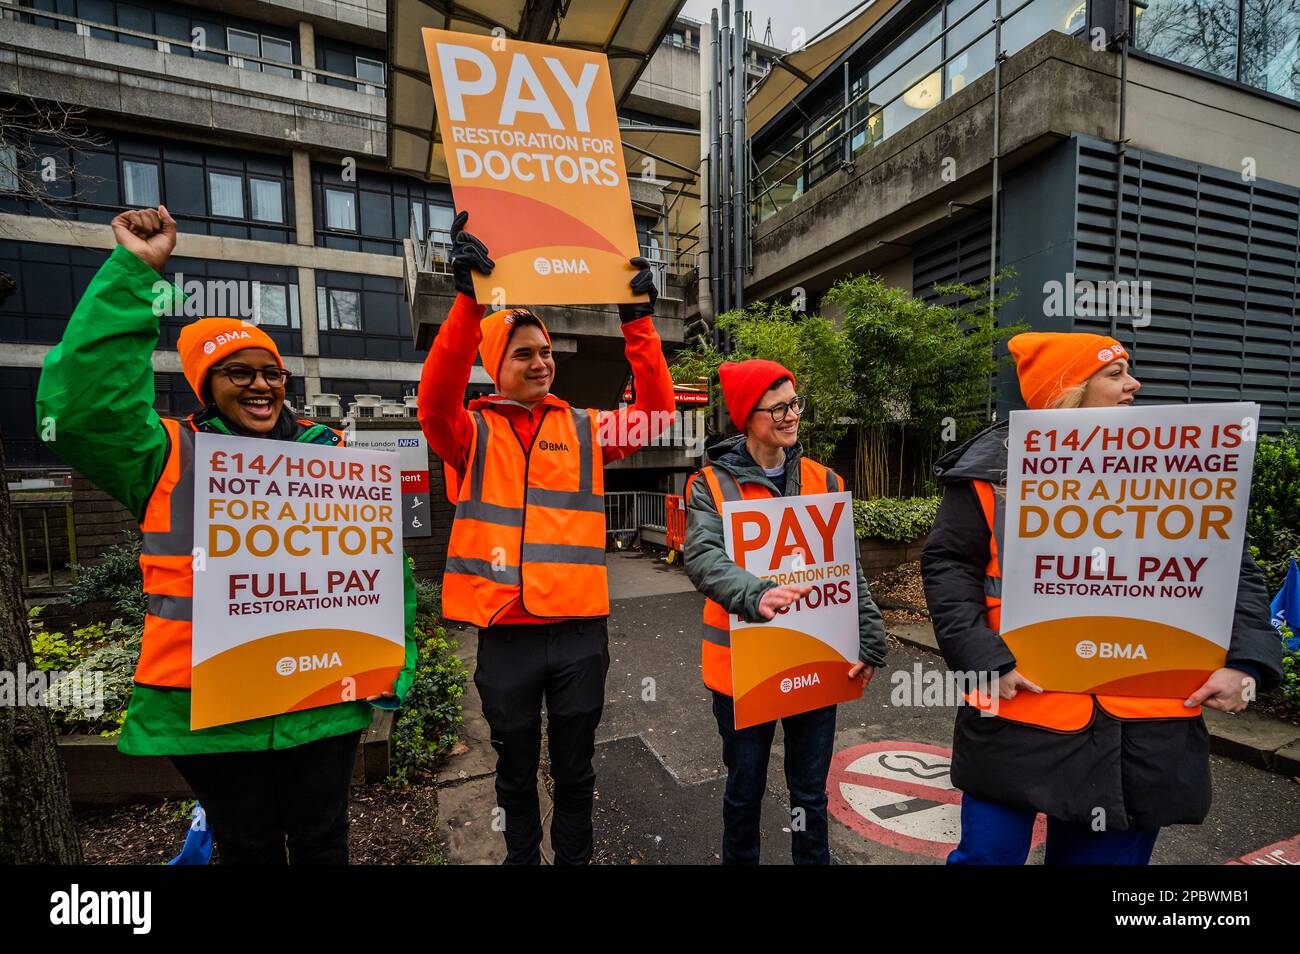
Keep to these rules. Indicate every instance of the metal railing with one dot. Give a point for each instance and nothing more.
(620, 512)
(651, 511)
(25, 514)
(631, 511)
(163, 44)
(845, 134)
(433, 254)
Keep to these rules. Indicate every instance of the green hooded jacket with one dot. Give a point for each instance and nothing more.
(722, 580)
(95, 408)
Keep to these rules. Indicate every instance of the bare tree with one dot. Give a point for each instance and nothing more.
(32, 134)
(36, 823)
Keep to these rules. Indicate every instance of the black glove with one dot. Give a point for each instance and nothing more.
(468, 255)
(643, 282)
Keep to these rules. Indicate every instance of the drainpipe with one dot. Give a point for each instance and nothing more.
(739, 213)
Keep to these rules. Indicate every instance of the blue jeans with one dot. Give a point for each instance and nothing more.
(997, 834)
(809, 738)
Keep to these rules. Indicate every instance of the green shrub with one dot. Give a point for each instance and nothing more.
(898, 520)
(102, 660)
(428, 601)
(428, 724)
(114, 578)
(1273, 520)
(1290, 674)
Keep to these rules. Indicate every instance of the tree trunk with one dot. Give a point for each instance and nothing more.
(36, 825)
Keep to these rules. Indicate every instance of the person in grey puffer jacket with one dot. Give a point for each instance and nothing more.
(765, 460)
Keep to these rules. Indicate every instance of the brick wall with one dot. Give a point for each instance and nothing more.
(100, 520)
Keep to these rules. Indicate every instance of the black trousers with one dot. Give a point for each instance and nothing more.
(519, 666)
(260, 802)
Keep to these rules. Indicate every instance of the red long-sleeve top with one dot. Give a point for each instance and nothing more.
(449, 428)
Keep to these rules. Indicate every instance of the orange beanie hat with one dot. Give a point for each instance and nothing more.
(496, 329)
(205, 342)
(745, 382)
(1050, 363)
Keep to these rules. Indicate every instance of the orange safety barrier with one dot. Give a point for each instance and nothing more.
(675, 520)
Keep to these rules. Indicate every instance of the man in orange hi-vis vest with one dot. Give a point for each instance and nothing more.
(526, 562)
(1108, 771)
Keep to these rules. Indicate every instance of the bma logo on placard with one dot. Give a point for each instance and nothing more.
(288, 665)
(804, 681)
(560, 266)
(1087, 649)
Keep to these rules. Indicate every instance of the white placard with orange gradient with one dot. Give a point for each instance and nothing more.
(534, 154)
(799, 660)
(1122, 544)
(298, 582)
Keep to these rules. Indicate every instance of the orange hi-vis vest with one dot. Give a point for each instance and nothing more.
(715, 650)
(530, 522)
(167, 562)
(1060, 711)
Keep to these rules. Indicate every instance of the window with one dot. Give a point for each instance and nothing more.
(241, 41)
(277, 306)
(140, 183)
(274, 48)
(1198, 33)
(341, 308)
(341, 210)
(266, 47)
(226, 194)
(371, 71)
(8, 169)
(266, 200)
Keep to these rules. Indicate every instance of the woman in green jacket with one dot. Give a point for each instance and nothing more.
(266, 784)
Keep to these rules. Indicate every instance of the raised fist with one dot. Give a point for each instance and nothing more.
(468, 255)
(148, 234)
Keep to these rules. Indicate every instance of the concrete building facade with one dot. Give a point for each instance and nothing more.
(1122, 156)
(264, 129)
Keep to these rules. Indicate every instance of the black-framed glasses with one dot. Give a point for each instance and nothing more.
(778, 411)
(241, 375)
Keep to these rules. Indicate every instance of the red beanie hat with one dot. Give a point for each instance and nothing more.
(1050, 363)
(745, 382)
(204, 342)
(496, 329)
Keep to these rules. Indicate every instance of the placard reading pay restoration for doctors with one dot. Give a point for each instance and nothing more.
(1122, 545)
(800, 659)
(298, 583)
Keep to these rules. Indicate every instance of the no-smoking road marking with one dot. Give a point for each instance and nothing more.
(900, 794)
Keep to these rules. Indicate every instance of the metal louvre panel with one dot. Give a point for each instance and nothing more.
(956, 254)
(1221, 255)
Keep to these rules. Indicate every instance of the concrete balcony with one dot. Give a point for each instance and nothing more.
(361, 21)
(591, 369)
(181, 91)
(1053, 88)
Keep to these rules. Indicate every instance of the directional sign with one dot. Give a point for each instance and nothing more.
(901, 794)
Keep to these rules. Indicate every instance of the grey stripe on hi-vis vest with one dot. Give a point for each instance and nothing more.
(730, 489)
(566, 499)
(999, 519)
(993, 587)
(832, 482)
(719, 637)
(180, 608)
(582, 424)
(480, 456)
(179, 539)
(497, 573)
(490, 513)
(563, 553)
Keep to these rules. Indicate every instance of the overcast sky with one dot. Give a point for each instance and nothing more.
(809, 15)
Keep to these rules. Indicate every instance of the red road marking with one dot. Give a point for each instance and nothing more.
(841, 774)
